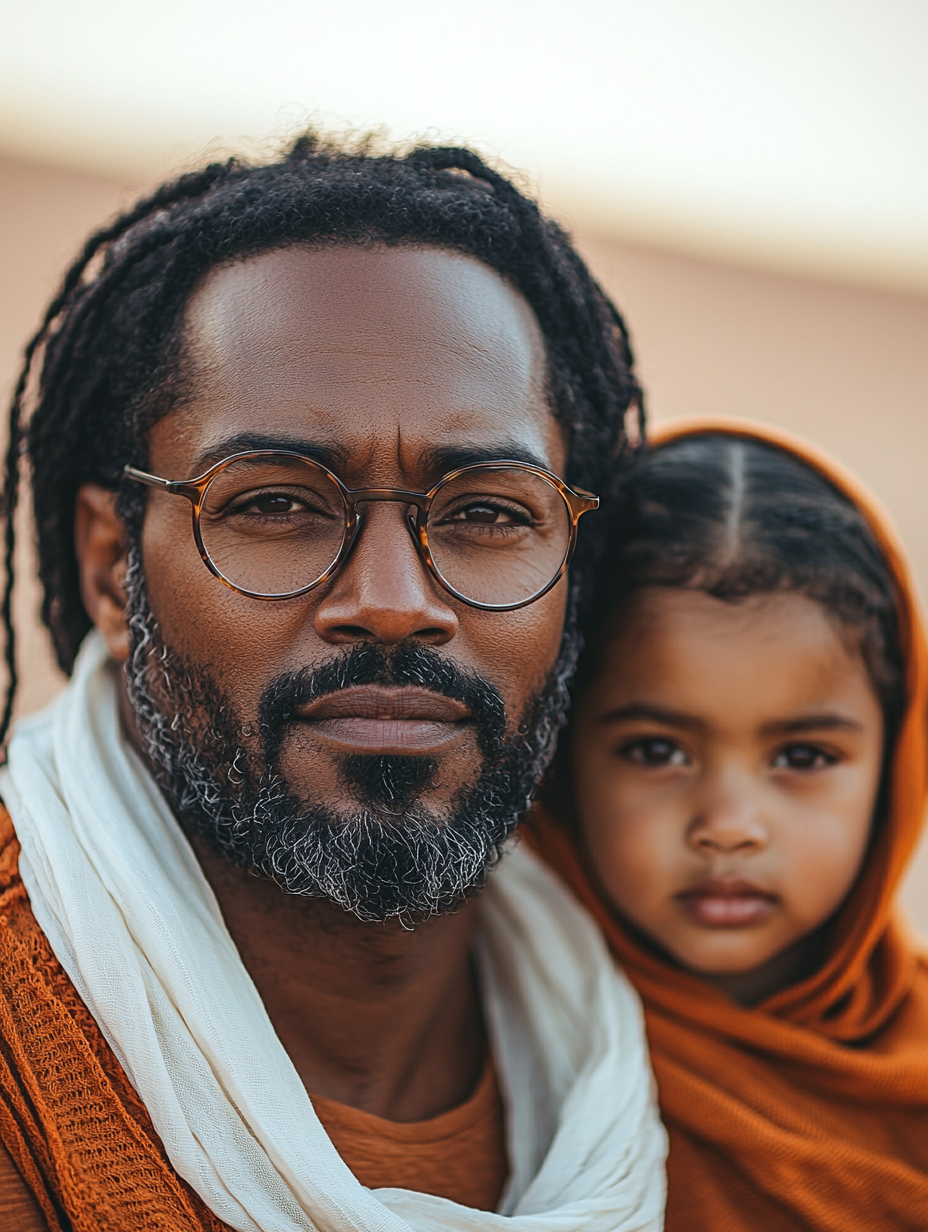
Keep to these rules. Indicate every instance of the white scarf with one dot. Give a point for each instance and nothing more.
(116, 887)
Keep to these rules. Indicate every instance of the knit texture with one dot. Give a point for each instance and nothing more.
(74, 1126)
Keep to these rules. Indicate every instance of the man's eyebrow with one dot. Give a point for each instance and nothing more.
(444, 458)
(828, 721)
(654, 714)
(328, 453)
(437, 461)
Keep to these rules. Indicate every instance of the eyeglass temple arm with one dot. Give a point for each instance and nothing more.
(173, 486)
(153, 481)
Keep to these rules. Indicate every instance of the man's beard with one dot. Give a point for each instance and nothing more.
(391, 857)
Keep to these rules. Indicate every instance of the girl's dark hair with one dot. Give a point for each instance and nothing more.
(733, 516)
(111, 337)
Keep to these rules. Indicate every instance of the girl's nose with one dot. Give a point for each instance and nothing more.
(729, 823)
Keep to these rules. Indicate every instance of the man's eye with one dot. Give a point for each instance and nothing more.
(803, 757)
(488, 513)
(654, 751)
(274, 504)
(271, 503)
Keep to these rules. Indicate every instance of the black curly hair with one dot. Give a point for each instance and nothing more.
(111, 336)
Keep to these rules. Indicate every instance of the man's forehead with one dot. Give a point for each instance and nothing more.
(348, 348)
(365, 306)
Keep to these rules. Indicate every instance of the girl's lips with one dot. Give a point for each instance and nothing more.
(726, 903)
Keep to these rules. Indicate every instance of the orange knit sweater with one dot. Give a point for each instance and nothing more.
(73, 1124)
(83, 1142)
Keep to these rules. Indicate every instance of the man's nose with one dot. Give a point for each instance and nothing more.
(384, 591)
(729, 820)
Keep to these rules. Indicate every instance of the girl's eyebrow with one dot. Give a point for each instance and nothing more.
(827, 721)
(812, 722)
(656, 714)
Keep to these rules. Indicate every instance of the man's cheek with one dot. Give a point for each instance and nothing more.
(517, 650)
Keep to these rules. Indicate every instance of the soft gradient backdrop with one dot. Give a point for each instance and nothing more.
(749, 180)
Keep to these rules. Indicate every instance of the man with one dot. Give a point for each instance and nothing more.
(300, 454)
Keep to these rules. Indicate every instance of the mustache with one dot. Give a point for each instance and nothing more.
(370, 664)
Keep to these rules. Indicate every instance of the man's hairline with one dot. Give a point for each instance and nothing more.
(181, 366)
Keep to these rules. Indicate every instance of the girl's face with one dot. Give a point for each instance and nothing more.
(726, 760)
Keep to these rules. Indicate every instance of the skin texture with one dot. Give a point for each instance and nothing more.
(382, 359)
(726, 761)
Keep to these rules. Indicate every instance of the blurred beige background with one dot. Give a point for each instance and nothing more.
(845, 365)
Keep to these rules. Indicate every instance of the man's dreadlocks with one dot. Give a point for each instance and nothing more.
(111, 336)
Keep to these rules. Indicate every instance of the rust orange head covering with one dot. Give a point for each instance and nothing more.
(809, 1111)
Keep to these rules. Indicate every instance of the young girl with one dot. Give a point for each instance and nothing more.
(746, 783)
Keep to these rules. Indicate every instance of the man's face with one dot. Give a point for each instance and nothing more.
(393, 367)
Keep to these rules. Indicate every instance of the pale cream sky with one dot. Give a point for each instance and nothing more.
(791, 133)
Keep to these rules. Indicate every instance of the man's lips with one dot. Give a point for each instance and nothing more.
(726, 902)
(382, 720)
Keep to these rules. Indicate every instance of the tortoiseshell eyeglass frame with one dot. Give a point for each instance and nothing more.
(577, 501)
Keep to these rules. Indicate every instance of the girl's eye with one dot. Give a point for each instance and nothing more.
(654, 751)
(803, 757)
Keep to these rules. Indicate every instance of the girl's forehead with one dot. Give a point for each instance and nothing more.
(749, 661)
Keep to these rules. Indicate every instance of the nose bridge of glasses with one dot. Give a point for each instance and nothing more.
(362, 496)
(398, 496)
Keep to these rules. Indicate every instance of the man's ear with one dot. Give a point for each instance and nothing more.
(100, 544)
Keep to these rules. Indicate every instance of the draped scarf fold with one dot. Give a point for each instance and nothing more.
(117, 891)
(809, 1111)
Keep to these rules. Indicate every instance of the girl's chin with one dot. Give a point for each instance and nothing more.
(733, 953)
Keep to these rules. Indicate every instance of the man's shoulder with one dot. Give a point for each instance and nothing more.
(18, 1205)
(15, 912)
(21, 939)
(9, 851)
(71, 1123)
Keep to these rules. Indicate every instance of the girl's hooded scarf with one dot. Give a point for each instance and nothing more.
(810, 1110)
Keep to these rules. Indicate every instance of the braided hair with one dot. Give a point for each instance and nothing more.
(111, 336)
(733, 517)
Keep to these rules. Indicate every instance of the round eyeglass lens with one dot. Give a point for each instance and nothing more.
(272, 524)
(499, 536)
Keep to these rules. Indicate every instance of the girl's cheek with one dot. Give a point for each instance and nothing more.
(822, 862)
(630, 843)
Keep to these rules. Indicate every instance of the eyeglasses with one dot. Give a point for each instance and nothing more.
(272, 524)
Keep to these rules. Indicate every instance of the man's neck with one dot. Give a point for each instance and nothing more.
(375, 1016)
